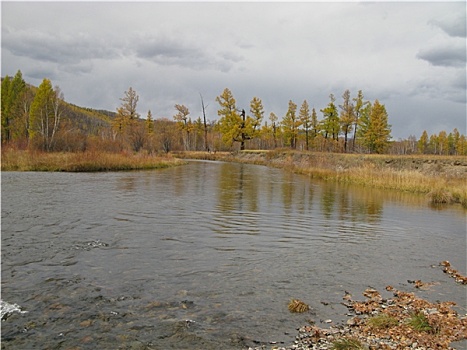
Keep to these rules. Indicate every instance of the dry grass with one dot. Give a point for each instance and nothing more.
(15, 160)
(296, 305)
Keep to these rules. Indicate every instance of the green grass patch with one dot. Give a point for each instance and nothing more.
(382, 321)
(347, 344)
(419, 322)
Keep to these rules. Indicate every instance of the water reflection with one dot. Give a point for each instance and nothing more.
(238, 188)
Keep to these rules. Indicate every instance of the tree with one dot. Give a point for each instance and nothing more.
(126, 113)
(443, 144)
(422, 143)
(290, 124)
(235, 126)
(359, 106)
(230, 122)
(305, 119)
(461, 146)
(363, 123)
(378, 133)
(13, 94)
(257, 111)
(273, 118)
(206, 147)
(166, 133)
(182, 121)
(149, 123)
(347, 118)
(46, 112)
(331, 119)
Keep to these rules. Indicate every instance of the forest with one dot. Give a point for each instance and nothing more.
(39, 118)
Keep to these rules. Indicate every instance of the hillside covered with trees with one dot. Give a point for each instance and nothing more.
(39, 118)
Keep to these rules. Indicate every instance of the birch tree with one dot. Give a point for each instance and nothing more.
(46, 113)
(182, 121)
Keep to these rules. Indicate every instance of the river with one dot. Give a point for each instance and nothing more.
(206, 255)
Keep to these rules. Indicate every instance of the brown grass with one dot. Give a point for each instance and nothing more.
(15, 160)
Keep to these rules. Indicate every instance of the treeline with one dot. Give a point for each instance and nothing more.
(39, 118)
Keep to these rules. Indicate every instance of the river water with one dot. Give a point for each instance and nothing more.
(206, 255)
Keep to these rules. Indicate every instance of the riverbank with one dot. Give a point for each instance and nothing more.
(442, 178)
(16, 160)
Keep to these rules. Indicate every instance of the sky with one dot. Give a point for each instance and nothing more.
(411, 56)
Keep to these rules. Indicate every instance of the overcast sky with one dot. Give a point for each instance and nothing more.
(409, 56)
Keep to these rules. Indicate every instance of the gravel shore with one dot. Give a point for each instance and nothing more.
(403, 321)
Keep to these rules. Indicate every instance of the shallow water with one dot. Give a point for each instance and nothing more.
(207, 255)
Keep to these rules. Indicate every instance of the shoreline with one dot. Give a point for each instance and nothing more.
(401, 321)
(90, 161)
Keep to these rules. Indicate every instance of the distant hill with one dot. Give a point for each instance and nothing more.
(88, 120)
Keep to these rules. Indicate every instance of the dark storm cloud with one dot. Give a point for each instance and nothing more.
(452, 56)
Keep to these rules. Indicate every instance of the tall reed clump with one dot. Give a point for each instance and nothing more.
(14, 160)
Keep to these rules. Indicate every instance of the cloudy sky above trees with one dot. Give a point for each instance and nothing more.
(411, 56)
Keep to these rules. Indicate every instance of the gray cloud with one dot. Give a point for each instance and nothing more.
(169, 52)
(451, 56)
(453, 26)
(55, 47)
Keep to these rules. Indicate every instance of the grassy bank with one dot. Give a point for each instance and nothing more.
(15, 160)
(443, 179)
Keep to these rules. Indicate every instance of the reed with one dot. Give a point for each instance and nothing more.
(93, 161)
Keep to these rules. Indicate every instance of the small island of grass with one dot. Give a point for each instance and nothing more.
(89, 161)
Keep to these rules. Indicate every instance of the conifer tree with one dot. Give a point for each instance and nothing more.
(235, 126)
(331, 119)
(305, 119)
(290, 125)
(12, 95)
(257, 111)
(273, 118)
(358, 109)
(314, 124)
(376, 137)
(230, 122)
(347, 118)
(126, 113)
(149, 123)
